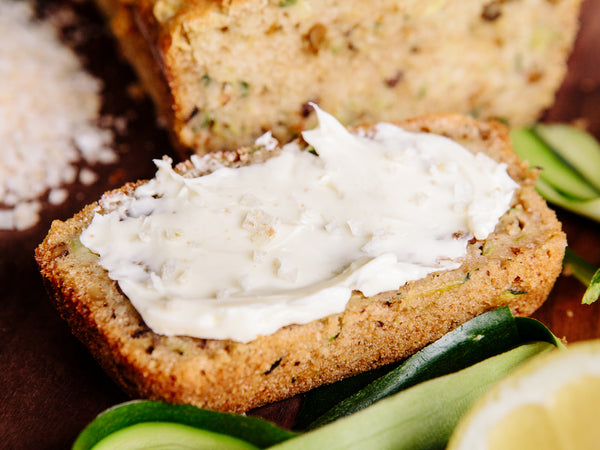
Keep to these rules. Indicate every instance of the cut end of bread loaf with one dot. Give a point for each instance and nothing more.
(516, 265)
(222, 73)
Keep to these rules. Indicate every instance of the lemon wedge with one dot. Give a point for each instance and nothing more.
(550, 402)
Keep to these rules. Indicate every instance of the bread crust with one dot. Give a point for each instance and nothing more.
(516, 266)
(487, 59)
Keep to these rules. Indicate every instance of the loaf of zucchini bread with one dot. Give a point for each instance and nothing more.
(222, 72)
(515, 265)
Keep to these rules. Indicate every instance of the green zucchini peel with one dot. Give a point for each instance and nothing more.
(256, 431)
(570, 163)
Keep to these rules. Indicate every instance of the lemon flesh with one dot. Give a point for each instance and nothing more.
(551, 402)
(568, 420)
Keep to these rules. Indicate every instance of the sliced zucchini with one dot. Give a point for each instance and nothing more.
(587, 208)
(257, 432)
(555, 171)
(169, 436)
(575, 146)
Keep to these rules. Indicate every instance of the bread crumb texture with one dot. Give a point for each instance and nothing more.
(515, 266)
(49, 107)
(223, 72)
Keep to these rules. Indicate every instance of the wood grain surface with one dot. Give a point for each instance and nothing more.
(51, 387)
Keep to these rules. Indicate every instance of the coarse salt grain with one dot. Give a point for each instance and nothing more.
(57, 196)
(87, 176)
(49, 107)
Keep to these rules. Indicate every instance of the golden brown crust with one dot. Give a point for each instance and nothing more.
(516, 266)
(127, 26)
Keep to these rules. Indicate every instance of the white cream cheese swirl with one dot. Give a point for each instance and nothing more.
(242, 252)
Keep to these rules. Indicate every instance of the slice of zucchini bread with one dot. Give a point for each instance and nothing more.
(516, 265)
(223, 72)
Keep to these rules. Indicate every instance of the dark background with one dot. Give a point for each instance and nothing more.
(50, 387)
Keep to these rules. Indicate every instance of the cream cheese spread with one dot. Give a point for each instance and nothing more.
(242, 252)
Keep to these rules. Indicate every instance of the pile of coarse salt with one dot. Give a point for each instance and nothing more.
(49, 107)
